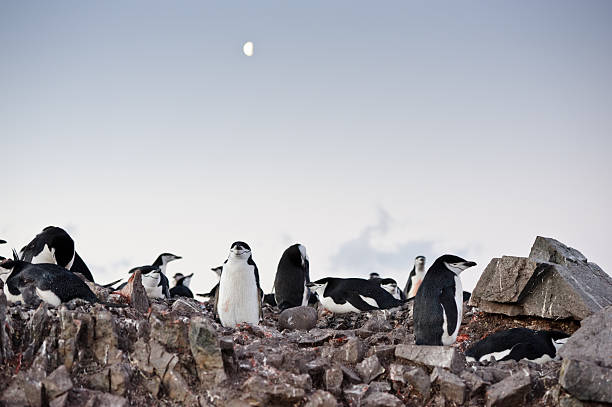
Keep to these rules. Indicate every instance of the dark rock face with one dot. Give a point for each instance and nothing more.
(302, 318)
(512, 391)
(556, 281)
(451, 386)
(586, 372)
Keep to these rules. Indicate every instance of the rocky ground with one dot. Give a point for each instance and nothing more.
(176, 354)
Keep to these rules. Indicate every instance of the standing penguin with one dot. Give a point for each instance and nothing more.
(438, 305)
(238, 296)
(415, 278)
(292, 275)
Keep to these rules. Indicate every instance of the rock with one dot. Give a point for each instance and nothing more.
(554, 282)
(5, 344)
(228, 355)
(170, 330)
(57, 383)
(351, 352)
(451, 386)
(205, 350)
(381, 400)
(369, 369)
(161, 361)
(378, 387)
(350, 375)
(105, 342)
(377, 323)
(586, 381)
(385, 353)
(315, 337)
(473, 381)
(22, 392)
(177, 388)
(396, 372)
(184, 306)
(355, 393)
(286, 393)
(119, 375)
(491, 374)
(302, 318)
(321, 398)
(332, 379)
(61, 401)
(419, 380)
(135, 293)
(435, 356)
(512, 391)
(592, 341)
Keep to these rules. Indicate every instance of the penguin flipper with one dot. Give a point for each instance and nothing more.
(356, 301)
(447, 299)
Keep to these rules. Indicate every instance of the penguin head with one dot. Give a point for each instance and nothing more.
(389, 285)
(374, 276)
(453, 263)
(240, 250)
(297, 255)
(419, 260)
(151, 278)
(558, 338)
(177, 277)
(185, 280)
(217, 270)
(318, 287)
(165, 258)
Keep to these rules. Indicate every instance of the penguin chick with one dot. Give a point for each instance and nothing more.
(238, 295)
(438, 304)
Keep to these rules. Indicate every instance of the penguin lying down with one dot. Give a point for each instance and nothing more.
(517, 344)
(342, 295)
(53, 284)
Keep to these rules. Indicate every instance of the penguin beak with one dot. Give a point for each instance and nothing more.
(469, 264)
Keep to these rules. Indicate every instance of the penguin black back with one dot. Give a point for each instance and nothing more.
(79, 266)
(181, 289)
(52, 245)
(292, 275)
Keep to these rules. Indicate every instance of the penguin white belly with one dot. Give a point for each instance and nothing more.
(237, 301)
(49, 297)
(305, 296)
(329, 304)
(155, 292)
(415, 283)
(446, 338)
(46, 255)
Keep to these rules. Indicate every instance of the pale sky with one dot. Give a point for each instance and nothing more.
(371, 133)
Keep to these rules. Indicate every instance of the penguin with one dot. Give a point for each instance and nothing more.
(239, 294)
(415, 278)
(156, 284)
(342, 295)
(517, 344)
(181, 286)
(390, 285)
(53, 284)
(438, 304)
(163, 260)
(374, 276)
(292, 275)
(55, 246)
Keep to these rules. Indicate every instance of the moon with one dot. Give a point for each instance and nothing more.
(247, 48)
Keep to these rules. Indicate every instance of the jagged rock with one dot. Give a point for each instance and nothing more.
(301, 318)
(385, 353)
(378, 387)
(473, 381)
(205, 350)
(377, 323)
(134, 292)
(185, 307)
(76, 333)
(57, 383)
(396, 372)
(436, 356)
(381, 400)
(321, 398)
(451, 386)
(512, 391)
(419, 380)
(315, 337)
(5, 344)
(369, 369)
(23, 391)
(61, 401)
(286, 393)
(177, 388)
(592, 342)
(350, 374)
(332, 379)
(355, 393)
(169, 329)
(228, 355)
(161, 360)
(491, 374)
(554, 282)
(351, 352)
(586, 381)
(106, 341)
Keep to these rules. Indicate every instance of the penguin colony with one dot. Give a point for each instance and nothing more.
(49, 269)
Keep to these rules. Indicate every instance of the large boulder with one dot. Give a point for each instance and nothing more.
(586, 372)
(556, 281)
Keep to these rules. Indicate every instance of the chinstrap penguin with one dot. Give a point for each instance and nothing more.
(438, 304)
(374, 276)
(292, 275)
(415, 278)
(154, 278)
(517, 344)
(239, 294)
(342, 295)
(181, 286)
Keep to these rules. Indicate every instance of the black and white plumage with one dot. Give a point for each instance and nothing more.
(292, 275)
(438, 304)
(55, 246)
(342, 295)
(415, 278)
(53, 284)
(154, 278)
(390, 285)
(181, 287)
(239, 294)
(517, 344)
